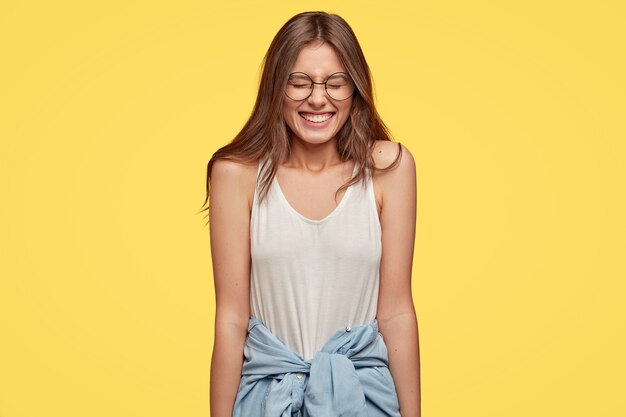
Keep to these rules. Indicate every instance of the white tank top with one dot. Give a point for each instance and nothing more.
(311, 278)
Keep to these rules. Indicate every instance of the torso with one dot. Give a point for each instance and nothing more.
(314, 273)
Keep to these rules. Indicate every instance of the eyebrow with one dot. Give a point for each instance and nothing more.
(302, 74)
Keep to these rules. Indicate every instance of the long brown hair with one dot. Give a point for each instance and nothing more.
(266, 136)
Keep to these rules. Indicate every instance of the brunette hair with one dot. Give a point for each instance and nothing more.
(266, 136)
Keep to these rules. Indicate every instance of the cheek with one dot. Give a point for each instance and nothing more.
(289, 112)
(289, 116)
(345, 112)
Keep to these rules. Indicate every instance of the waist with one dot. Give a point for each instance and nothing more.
(264, 353)
(346, 376)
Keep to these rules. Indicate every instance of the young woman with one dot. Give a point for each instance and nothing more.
(312, 225)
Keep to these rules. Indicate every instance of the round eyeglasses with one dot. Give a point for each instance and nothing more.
(339, 86)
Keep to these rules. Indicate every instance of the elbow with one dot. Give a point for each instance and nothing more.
(232, 319)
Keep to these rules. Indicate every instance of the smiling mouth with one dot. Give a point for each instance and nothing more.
(316, 118)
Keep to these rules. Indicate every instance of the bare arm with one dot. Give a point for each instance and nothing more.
(396, 312)
(230, 252)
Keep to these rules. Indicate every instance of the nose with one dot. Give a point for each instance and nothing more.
(318, 96)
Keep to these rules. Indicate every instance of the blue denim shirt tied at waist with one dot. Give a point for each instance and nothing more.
(349, 376)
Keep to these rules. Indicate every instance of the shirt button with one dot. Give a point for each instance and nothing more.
(299, 375)
(348, 328)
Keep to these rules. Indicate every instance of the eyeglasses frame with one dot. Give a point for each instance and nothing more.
(313, 83)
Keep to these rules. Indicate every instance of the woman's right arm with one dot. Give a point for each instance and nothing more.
(229, 227)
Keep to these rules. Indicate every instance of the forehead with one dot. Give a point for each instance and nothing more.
(318, 61)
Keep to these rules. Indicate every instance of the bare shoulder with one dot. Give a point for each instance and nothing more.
(385, 153)
(235, 179)
(391, 182)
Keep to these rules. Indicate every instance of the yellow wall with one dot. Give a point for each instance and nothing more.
(514, 112)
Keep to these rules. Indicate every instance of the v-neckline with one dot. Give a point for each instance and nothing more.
(342, 202)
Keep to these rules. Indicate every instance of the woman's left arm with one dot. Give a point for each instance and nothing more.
(396, 313)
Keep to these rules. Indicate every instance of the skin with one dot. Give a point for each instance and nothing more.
(309, 180)
(314, 164)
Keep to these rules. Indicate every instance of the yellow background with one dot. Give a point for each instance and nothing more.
(514, 112)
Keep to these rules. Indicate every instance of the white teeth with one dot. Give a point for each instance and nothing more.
(316, 118)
